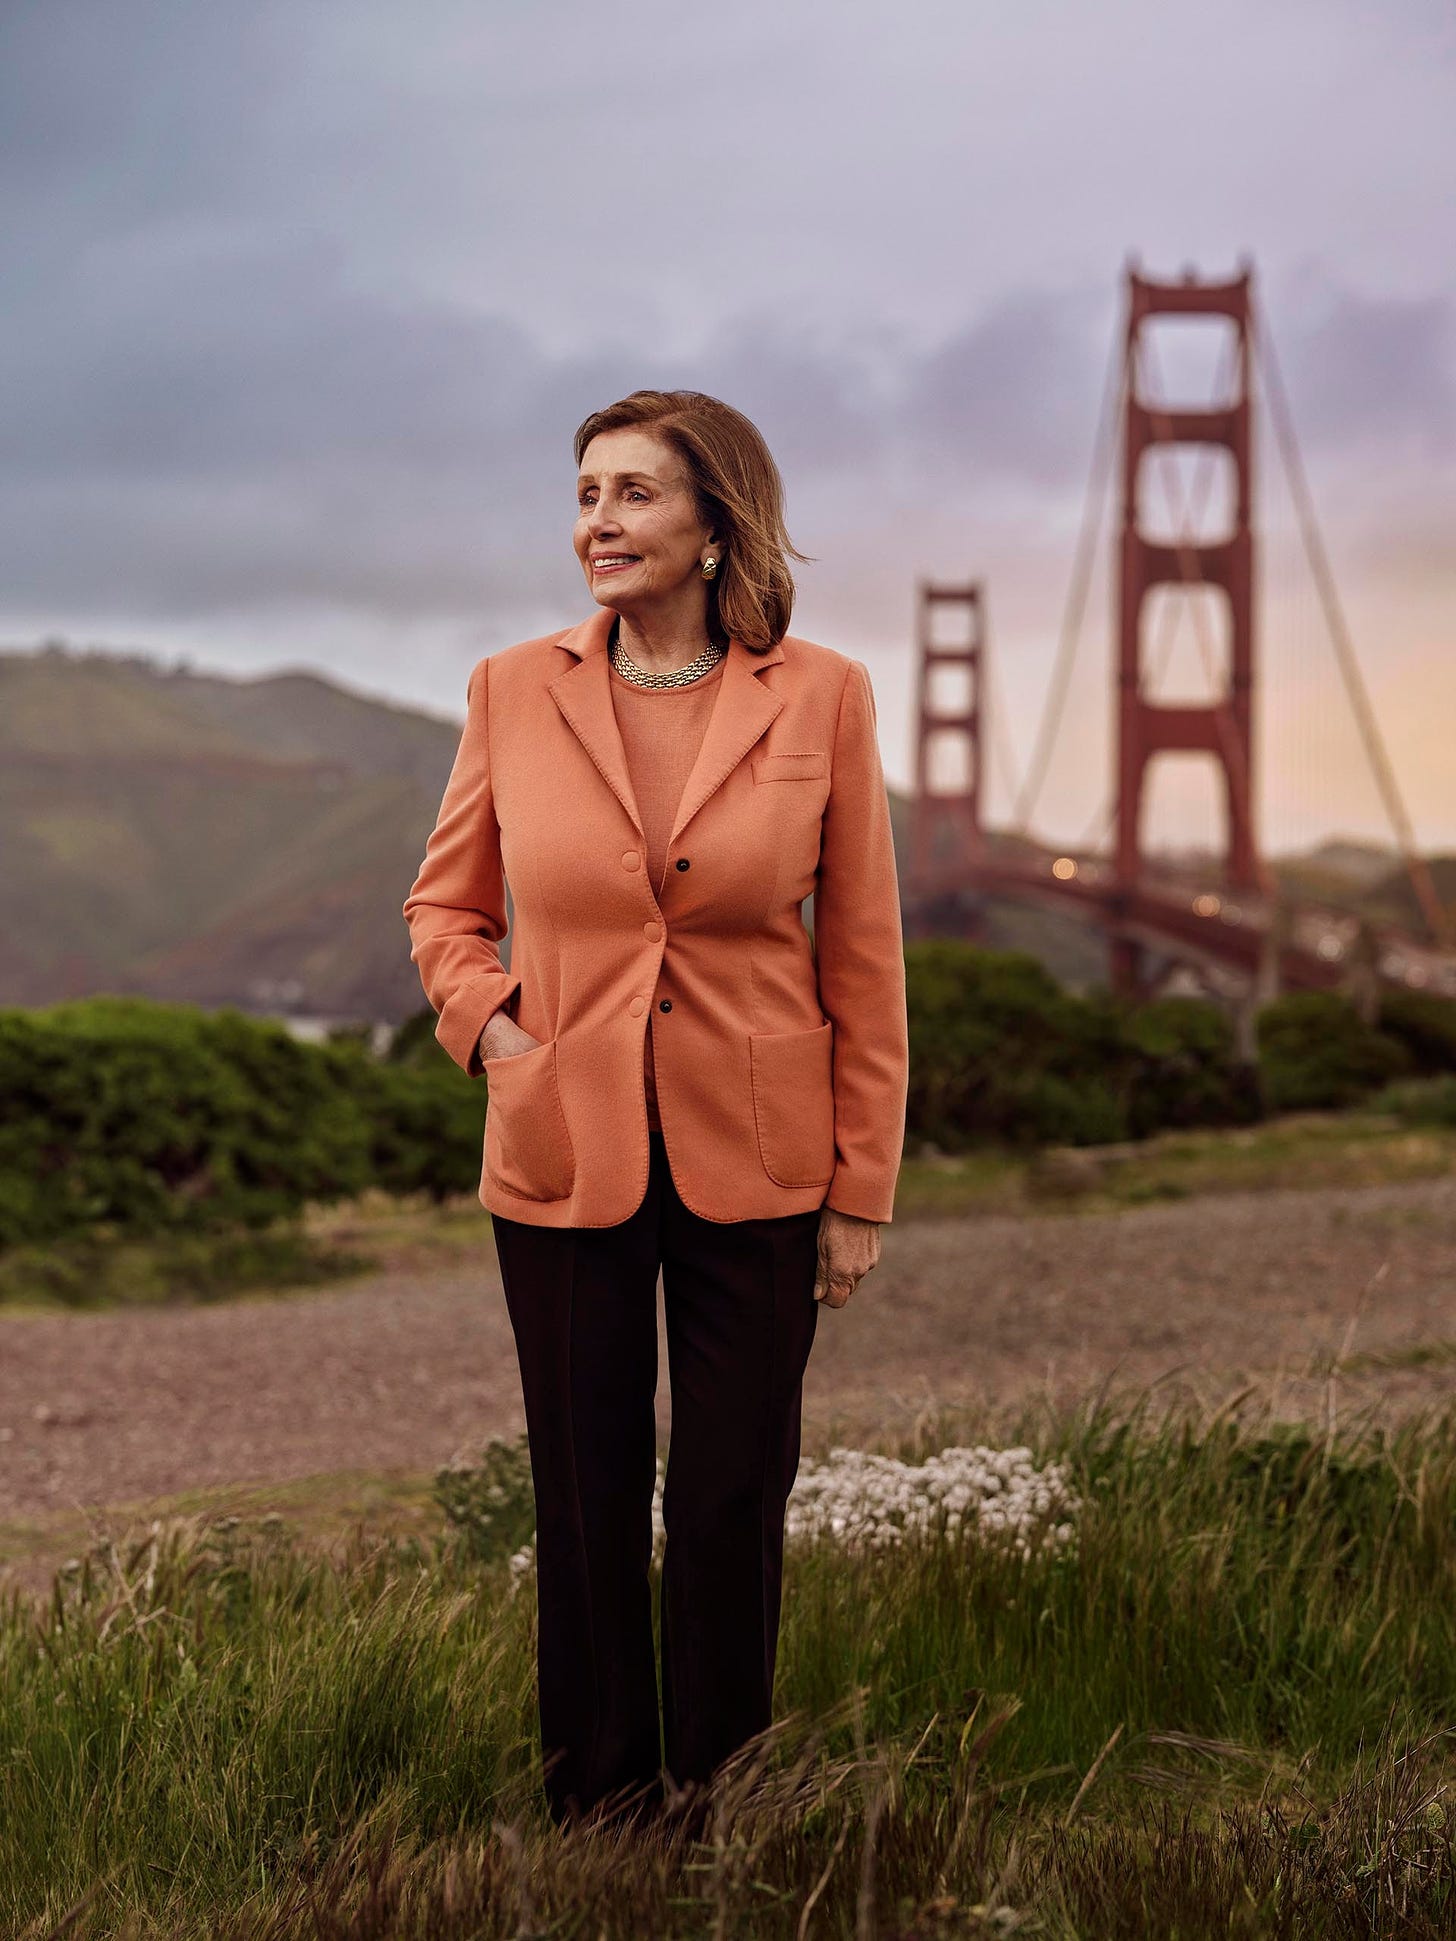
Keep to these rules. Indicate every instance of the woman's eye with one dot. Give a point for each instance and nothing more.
(587, 499)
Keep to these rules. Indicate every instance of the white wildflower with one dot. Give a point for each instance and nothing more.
(874, 1502)
(867, 1501)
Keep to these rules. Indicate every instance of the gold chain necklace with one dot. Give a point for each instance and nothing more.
(679, 677)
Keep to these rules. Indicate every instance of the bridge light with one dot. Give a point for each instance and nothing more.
(1415, 975)
(1064, 869)
(1206, 905)
(1330, 948)
(1231, 913)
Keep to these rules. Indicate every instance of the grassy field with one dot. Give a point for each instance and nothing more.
(1310, 1149)
(1224, 1708)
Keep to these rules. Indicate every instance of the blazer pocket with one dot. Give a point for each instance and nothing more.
(528, 1148)
(793, 1103)
(791, 768)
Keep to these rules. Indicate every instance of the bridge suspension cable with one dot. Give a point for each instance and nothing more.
(1099, 473)
(994, 712)
(1415, 864)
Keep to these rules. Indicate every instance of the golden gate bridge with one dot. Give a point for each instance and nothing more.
(1227, 922)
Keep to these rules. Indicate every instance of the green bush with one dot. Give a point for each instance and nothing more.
(1421, 1101)
(149, 1118)
(1188, 1073)
(426, 1129)
(1425, 1024)
(490, 1503)
(998, 1051)
(1317, 1053)
(135, 1118)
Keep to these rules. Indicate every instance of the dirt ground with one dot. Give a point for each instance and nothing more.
(398, 1372)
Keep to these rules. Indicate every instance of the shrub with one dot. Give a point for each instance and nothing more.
(426, 1128)
(490, 1502)
(139, 1118)
(999, 1051)
(1317, 1052)
(1189, 1073)
(1421, 1101)
(1425, 1024)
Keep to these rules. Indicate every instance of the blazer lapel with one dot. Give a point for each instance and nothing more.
(741, 713)
(584, 697)
(743, 710)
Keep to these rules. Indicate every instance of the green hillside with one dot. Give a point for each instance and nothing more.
(184, 835)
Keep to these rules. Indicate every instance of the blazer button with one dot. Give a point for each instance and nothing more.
(682, 863)
(631, 859)
(652, 931)
(666, 1004)
(637, 1006)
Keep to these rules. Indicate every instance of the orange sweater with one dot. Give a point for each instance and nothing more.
(662, 730)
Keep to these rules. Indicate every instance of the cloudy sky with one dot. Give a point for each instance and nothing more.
(303, 300)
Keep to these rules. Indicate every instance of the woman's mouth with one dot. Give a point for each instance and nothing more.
(613, 562)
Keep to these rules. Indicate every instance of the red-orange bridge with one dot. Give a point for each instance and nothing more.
(1229, 924)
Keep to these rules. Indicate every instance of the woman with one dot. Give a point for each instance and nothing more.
(677, 1078)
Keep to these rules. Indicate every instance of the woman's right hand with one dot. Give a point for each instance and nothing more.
(504, 1038)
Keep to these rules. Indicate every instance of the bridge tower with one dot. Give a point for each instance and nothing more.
(945, 824)
(1223, 728)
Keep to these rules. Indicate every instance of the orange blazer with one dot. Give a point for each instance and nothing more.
(782, 1064)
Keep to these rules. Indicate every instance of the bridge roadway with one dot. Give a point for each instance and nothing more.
(1213, 928)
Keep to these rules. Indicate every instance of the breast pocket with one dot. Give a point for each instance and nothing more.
(810, 767)
(786, 810)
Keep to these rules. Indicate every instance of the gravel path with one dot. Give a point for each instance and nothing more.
(398, 1372)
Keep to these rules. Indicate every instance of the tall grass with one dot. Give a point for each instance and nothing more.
(1224, 1709)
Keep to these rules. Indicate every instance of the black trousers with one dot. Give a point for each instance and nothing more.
(741, 1315)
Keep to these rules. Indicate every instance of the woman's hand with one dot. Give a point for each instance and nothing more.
(848, 1248)
(503, 1038)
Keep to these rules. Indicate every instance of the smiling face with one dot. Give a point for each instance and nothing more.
(638, 535)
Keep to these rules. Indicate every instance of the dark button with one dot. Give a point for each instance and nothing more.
(682, 862)
(666, 1004)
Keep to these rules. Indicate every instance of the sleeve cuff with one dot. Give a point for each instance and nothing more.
(844, 1196)
(465, 1014)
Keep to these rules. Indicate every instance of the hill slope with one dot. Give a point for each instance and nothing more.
(184, 835)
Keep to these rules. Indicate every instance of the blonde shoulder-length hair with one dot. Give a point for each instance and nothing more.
(739, 494)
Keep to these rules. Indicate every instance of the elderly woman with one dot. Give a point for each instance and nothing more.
(678, 1077)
